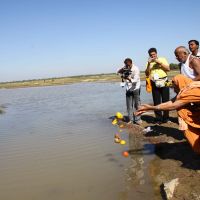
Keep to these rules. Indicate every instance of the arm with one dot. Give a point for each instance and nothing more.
(164, 106)
(170, 105)
(136, 76)
(147, 71)
(164, 65)
(195, 64)
(120, 71)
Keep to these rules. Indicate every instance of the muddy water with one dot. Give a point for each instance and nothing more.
(56, 143)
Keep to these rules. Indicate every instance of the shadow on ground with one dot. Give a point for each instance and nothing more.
(150, 119)
(180, 151)
(168, 131)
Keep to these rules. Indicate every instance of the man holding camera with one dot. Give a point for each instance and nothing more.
(130, 75)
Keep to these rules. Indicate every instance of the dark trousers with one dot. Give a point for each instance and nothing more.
(160, 95)
(132, 103)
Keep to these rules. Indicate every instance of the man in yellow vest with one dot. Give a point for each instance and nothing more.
(157, 68)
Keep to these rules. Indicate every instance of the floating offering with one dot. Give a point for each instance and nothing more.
(117, 135)
(122, 142)
(117, 140)
(125, 154)
(120, 130)
(114, 122)
(119, 115)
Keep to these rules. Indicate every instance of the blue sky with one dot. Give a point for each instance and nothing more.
(53, 38)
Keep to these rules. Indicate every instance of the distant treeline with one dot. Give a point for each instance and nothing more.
(174, 66)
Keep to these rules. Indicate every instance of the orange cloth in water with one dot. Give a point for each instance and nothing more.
(189, 93)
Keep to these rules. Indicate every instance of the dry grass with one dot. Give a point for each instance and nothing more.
(69, 80)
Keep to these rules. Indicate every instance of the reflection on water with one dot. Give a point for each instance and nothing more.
(57, 143)
(136, 170)
(137, 183)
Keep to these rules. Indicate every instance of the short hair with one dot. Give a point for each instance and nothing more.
(151, 50)
(127, 60)
(195, 41)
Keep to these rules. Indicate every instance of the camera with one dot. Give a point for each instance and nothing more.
(125, 73)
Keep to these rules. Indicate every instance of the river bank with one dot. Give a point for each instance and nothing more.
(70, 80)
(174, 159)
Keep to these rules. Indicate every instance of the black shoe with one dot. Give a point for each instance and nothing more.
(157, 121)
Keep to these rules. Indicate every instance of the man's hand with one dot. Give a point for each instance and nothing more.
(164, 66)
(143, 108)
(157, 61)
(128, 78)
(120, 71)
(150, 60)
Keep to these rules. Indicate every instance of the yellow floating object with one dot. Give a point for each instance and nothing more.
(122, 142)
(120, 130)
(119, 115)
(114, 122)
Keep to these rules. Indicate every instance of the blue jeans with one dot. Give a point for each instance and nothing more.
(132, 104)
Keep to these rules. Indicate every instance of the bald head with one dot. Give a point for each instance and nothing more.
(181, 49)
(181, 54)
